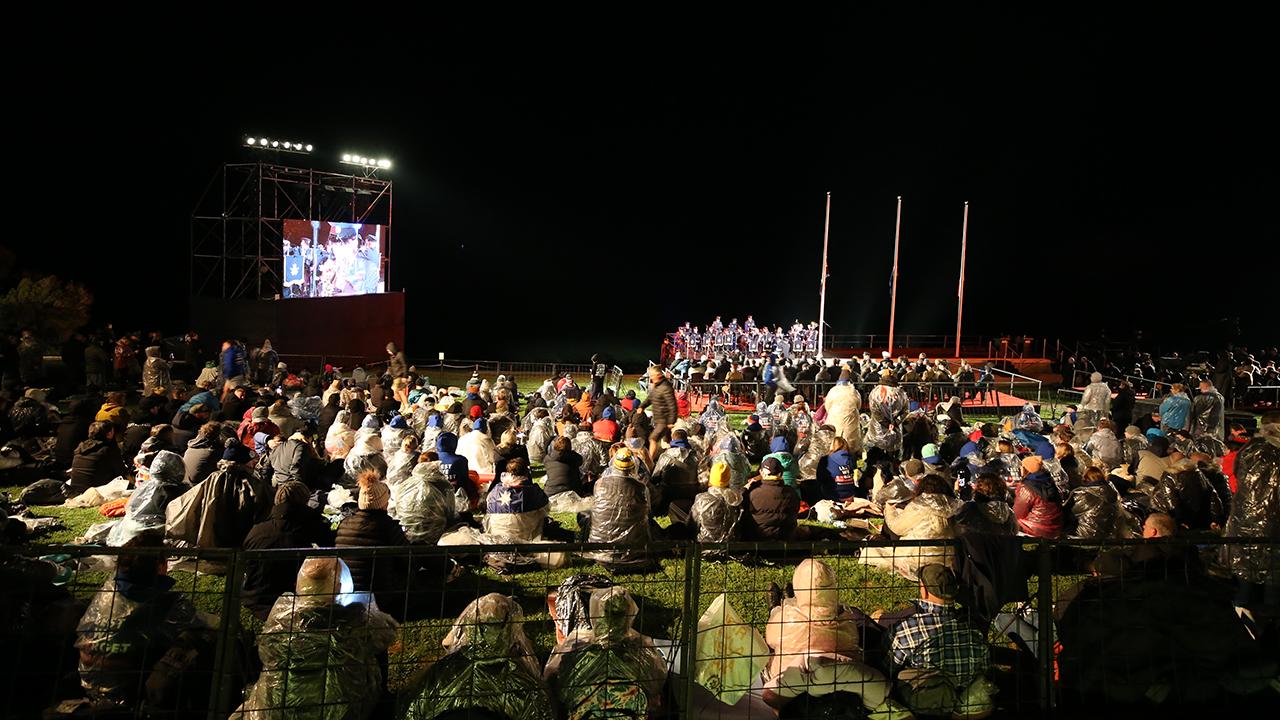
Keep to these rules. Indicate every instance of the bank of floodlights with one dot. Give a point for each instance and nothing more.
(261, 143)
(365, 161)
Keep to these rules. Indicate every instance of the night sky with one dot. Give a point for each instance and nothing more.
(559, 190)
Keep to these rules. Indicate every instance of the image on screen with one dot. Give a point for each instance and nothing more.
(333, 259)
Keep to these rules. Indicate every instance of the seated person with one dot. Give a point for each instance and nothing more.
(1092, 509)
(424, 503)
(937, 657)
(675, 474)
(593, 457)
(608, 669)
(516, 508)
(755, 439)
(769, 506)
(221, 509)
(541, 432)
(728, 450)
(320, 650)
(926, 517)
(1155, 560)
(838, 474)
(97, 461)
(717, 511)
(292, 524)
(814, 639)
(489, 668)
(620, 514)
(1186, 494)
(780, 449)
(386, 575)
(564, 469)
(143, 645)
(605, 429)
(146, 507)
(1037, 504)
(988, 510)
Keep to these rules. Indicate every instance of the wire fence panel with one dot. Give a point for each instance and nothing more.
(739, 629)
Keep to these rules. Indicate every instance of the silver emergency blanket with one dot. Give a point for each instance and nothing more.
(541, 433)
(423, 504)
(593, 457)
(610, 670)
(1255, 509)
(819, 447)
(490, 665)
(716, 513)
(320, 656)
(573, 601)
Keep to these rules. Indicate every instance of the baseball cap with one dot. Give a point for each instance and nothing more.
(930, 454)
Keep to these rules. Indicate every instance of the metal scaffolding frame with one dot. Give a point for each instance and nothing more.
(237, 227)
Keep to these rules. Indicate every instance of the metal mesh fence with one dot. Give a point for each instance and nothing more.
(537, 631)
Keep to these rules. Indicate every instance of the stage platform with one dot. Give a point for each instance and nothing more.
(995, 402)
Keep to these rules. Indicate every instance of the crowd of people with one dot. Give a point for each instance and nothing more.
(259, 458)
(746, 340)
(1239, 374)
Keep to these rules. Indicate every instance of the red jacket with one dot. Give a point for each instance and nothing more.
(1038, 506)
(682, 404)
(605, 430)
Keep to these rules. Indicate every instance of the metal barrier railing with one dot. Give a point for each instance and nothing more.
(1039, 645)
(927, 394)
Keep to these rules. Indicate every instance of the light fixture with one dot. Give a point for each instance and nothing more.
(371, 164)
(262, 143)
(308, 147)
(384, 163)
(275, 143)
(346, 157)
(250, 141)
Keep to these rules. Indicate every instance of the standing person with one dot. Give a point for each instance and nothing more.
(1122, 405)
(30, 359)
(96, 362)
(599, 369)
(233, 366)
(662, 398)
(1175, 410)
(843, 405)
(1095, 404)
(1255, 513)
(155, 373)
(397, 363)
(1207, 412)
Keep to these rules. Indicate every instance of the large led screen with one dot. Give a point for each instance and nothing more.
(332, 259)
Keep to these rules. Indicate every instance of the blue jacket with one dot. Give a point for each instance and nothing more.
(836, 477)
(453, 465)
(1039, 444)
(1175, 411)
(233, 362)
(206, 397)
(519, 499)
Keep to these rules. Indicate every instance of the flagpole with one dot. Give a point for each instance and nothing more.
(893, 301)
(964, 247)
(822, 287)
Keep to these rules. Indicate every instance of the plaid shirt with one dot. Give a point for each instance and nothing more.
(937, 637)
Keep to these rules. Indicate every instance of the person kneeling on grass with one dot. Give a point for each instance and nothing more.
(938, 657)
(320, 650)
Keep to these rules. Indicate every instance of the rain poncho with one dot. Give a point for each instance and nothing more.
(1096, 399)
(712, 417)
(716, 513)
(146, 507)
(1095, 510)
(478, 448)
(819, 447)
(730, 652)
(340, 438)
(926, 517)
(306, 409)
(620, 515)
(814, 639)
(366, 455)
(610, 670)
(399, 464)
(1255, 509)
(489, 666)
(887, 404)
(393, 437)
(1207, 415)
(1132, 446)
(423, 504)
(218, 512)
(434, 426)
(593, 457)
(515, 509)
(573, 602)
(676, 472)
(319, 654)
(729, 452)
(126, 629)
(1105, 448)
(540, 434)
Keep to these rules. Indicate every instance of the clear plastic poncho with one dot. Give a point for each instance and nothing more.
(319, 653)
(340, 438)
(819, 447)
(739, 465)
(1096, 511)
(489, 665)
(423, 504)
(1029, 420)
(306, 408)
(713, 417)
(145, 510)
(479, 450)
(593, 457)
(366, 455)
(717, 512)
(676, 472)
(1255, 509)
(620, 515)
(884, 437)
(542, 431)
(844, 406)
(610, 670)
(399, 464)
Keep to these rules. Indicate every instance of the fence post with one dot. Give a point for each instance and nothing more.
(689, 623)
(225, 657)
(1044, 618)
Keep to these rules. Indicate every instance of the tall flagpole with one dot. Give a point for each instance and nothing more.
(893, 301)
(822, 291)
(964, 247)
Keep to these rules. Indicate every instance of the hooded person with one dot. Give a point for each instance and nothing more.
(319, 649)
(815, 643)
(478, 448)
(1095, 404)
(593, 457)
(1029, 420)
(780, 450)
(97, 460)
(927, 516)
(620, 515)
(1134, 443)
(728, 450)
(489, 669)
(675, 473)
(456, 467)
(541, 431)
(717, 511)
(1104, 447)
(294, 460)
(290, 524)
(1037, 502)
(610, 668)
(755, 439)
(340, 437)
(145, 509)
(155, 372)
(1207, 412)
(401, 461)
(365, 456)
(1092, 509)
(1255, 509)
(259, 421)
(220, 510)
(1185, 494)
(434, 426)
(397, 363)
(844, 406)
(283, 418)
(770, 508)
(424, 504)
